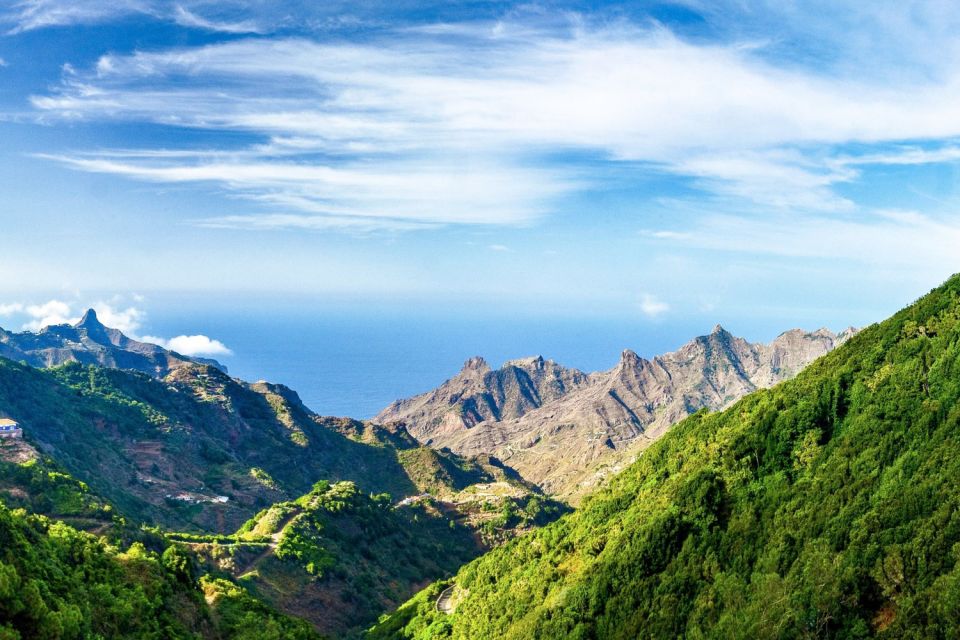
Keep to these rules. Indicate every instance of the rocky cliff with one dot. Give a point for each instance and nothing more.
(480, 394)
(564, 429)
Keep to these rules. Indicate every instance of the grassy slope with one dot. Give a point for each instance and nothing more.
(826, 507)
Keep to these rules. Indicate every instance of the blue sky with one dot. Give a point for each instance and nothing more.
(765, 164)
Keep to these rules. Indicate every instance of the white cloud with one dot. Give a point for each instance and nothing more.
(420, 127)
(664, 234)
(127, 320)
(501, 248)
(889, 240)
(414, 192)
(307, 222)
(197, 345)
(653, 307)
(186, 18)
(28, 15)
(52, 312)
(3, 63)
(55, 312)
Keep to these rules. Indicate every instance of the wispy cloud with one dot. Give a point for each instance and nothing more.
(421, 127)
(410, 193)
(891, 240)
(186, 18)
(28, 15)
(665, 235)
(653, 307)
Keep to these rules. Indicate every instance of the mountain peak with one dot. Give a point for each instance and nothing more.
(476, 363)
(718, 329)
(536, 362)
(89, 319)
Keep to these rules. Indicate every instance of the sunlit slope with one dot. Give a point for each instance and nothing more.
(828, 506)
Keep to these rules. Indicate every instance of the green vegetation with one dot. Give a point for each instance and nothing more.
(57, 582)
(263, 478)
(349, 553)
(41, 486)
(135, 441)
(196, 454)
(826, 507)
(439, 473)
(513, 514)
(240, 616)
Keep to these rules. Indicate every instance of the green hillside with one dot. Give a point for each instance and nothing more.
(338, 557)
(164, 451)
(57, 582)
(828, 506)
(200, 453)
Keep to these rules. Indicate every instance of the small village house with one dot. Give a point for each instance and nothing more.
(10, 429)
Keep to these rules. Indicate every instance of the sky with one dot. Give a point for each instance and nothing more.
(765, 164)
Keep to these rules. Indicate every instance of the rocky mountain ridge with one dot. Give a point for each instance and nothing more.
(91, 342)
(481, 394)
(564, 429)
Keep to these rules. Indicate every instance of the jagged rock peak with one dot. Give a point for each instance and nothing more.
(536, 362)
(476, 363)
(629, 357)
(848, 333)
(89, 319)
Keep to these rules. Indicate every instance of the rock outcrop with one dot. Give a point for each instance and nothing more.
(479, 394)
(564, 429)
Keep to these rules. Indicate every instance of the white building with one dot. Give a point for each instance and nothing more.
(10, 429)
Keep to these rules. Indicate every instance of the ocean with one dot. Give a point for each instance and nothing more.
(355, 361)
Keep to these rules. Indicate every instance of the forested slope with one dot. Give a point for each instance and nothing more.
(828, 506)
(57, 582)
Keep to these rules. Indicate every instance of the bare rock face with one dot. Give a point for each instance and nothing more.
(479, 394)
(90, 342)
(565, 430)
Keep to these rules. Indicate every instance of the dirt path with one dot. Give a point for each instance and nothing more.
(271, 546)
(445, 601)
(253, 563)
(90, 525)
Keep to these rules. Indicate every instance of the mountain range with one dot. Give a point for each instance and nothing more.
(565, 430)
(282, 512)
(90, 342)
(825, 507)
(194, 454)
